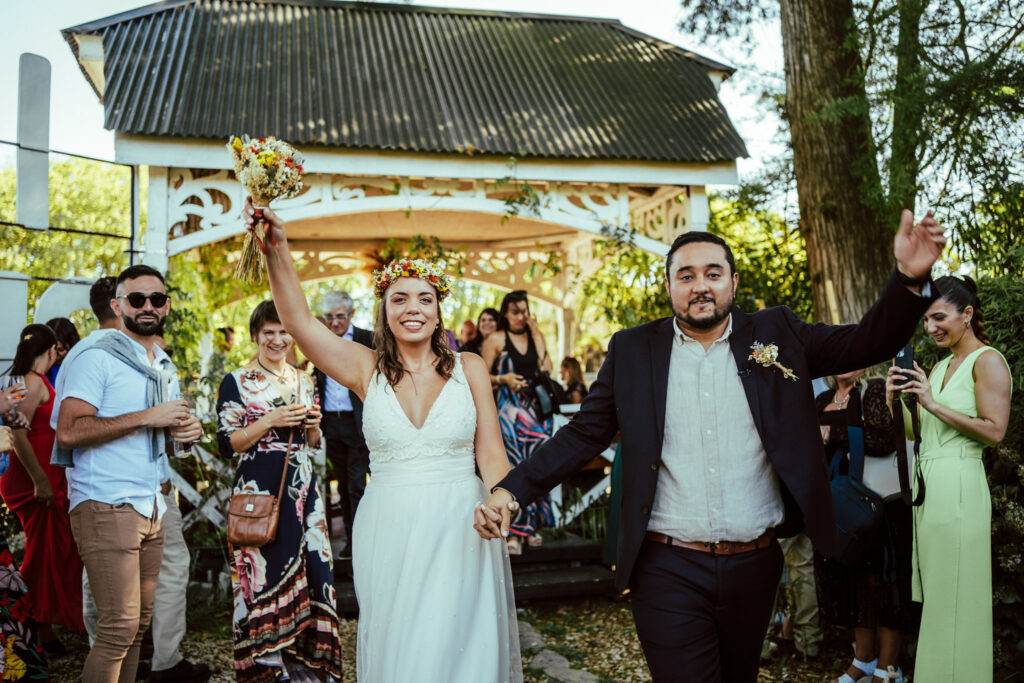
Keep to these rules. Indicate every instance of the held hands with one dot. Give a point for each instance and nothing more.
(6, 439)
(492, 519)
(274, 224)
(918, 385)
(917, 247)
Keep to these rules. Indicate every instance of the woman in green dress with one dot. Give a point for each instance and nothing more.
(965, 406)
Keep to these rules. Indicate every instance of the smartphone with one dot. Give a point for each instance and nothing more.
(905, 360)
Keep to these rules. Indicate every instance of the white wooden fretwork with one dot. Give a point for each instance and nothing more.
(203, 206)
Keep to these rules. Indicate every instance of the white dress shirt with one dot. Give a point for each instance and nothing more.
(715, 482)
(336, 396)
(121, 470)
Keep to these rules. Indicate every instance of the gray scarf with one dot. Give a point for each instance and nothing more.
(120, 347)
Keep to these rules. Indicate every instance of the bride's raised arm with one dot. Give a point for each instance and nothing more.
(346, 362)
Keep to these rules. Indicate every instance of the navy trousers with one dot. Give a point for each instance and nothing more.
(701, 617)
(350, 460)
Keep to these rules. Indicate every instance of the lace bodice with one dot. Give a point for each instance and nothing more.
(448, 432)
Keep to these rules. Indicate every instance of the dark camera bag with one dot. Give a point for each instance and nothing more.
(547, 393)
(858, 509)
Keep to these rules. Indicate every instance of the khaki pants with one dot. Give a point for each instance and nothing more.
(169, 598)
(121, 551)
(807, 631)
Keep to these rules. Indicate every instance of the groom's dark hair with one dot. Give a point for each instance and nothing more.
(698, 236)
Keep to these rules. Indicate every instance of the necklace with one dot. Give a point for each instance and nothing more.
(281, 378)
(841, 404)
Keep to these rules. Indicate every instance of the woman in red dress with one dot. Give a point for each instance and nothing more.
(37, 492)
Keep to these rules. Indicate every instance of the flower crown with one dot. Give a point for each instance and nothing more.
(425, 270)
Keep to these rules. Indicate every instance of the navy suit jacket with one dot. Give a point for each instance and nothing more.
(360, 336)
(628, 397)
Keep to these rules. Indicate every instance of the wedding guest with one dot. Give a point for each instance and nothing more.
(872, 597)
(515, 355)
(343, 416)
(964, 406)
(572, 378)
(113, 427)
(466, 333)
(486, 324)
(67, 337)
(435, 602)
(36, 491)
(22, 658)
(284, 612)
(167, 628)
(722, 450)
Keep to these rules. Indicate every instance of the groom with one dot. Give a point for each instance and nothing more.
(721, 452)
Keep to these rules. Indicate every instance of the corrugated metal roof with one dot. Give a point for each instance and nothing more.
(401, 77)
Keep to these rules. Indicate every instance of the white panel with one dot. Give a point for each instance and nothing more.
(63, 298)
(13, 307)
(32, 202)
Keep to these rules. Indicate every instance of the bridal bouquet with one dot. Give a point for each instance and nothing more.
(268, 169)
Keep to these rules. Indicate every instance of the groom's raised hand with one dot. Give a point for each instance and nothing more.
(492, 518)
(917, 247)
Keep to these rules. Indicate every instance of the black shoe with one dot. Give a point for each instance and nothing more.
(182, 672)
(346, 552)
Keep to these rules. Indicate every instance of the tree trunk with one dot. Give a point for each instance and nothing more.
(838, 184)
(908, 110)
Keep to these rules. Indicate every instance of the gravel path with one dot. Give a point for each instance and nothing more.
(593, 635)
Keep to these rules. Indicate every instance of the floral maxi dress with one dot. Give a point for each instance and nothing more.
(284, 599)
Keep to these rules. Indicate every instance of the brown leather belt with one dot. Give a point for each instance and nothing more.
(720, 548)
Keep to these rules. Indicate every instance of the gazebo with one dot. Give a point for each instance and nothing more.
(507, 134)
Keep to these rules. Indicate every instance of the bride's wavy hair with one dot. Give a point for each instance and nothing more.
(388, 363)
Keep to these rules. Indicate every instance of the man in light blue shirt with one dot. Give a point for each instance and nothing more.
(114, 418)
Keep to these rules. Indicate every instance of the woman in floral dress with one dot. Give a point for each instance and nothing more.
(284, 603)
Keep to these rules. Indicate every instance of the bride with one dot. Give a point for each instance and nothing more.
(435, 599)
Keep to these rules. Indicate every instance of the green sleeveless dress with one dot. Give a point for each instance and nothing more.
(952, 540)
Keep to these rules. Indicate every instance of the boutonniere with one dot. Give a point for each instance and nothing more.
(766, 355)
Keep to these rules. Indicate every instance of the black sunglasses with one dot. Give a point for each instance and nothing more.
(138, 299)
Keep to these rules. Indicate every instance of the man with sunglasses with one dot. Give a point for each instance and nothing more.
(117, 416)
(343, 416)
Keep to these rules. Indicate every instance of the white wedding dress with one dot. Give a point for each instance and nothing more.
(435, 600)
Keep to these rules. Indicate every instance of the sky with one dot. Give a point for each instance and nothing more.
(76, 116)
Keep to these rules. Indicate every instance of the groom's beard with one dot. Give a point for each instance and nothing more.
(706, 321)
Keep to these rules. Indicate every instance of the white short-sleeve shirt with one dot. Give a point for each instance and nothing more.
(118, 471)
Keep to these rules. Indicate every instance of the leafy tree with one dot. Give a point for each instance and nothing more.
(84, 195)
(629, 288)
(885, 103)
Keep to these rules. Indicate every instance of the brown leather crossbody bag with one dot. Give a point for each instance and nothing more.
(252, 517)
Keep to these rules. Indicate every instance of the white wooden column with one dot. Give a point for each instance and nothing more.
(697, 211)
(154, 243)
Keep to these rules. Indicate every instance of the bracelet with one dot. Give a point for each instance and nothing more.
(245, 433)
(913, 281)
